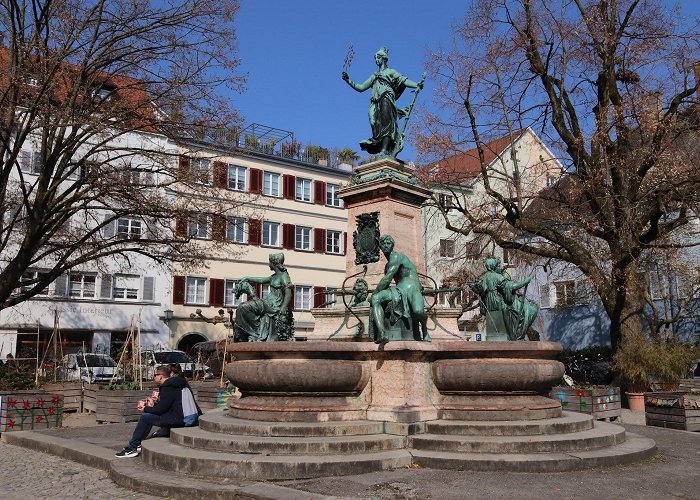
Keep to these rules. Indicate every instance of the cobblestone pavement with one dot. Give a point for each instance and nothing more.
(30, 474)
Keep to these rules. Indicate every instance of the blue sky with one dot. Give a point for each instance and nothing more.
(293, 52)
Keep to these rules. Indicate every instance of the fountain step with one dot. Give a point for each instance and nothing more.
(602, 435)
(634, 448)
(219, 421)
(170, 456)
(194, 437)
(568, 422)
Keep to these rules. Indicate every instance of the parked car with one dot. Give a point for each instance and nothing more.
(89, 367)
(152, 359)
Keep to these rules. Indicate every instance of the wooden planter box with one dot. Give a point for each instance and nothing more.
(72, 393)
(672, 410)
(210, 395)
(600, 402)
(118, 406)
(26, 410)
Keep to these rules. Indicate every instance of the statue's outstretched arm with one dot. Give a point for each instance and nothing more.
(360, 87)
(517, 285)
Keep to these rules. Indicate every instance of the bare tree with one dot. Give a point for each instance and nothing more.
(609, 86)
(92, 96)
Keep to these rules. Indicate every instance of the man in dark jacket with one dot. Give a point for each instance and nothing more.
(165, 412)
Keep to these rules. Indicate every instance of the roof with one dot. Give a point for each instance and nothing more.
(465, 166)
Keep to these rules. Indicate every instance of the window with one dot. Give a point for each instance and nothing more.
(329, 298)
(198, 226)
(333, 241)
(551, 180)
(30, 276)
(81, 286)
(271, 184)
(332, 199)
(236, 178)
(195, 290)
(32, 81)
(126, 287)
(447, 248)
(30, 161)
(201, 170)
(128, 227)
(449, 299)
(446, 201)
(565, 293)
(303, 238)
(235, 230)
(302, 298)
(230, 299)
(507, 256)
(271, 234)
(303, 192)
(264, 291)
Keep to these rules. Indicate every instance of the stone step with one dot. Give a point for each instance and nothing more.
(169, 456)
(194, 437)
(602, 435)
(219, 421)
(633, 449)
(137, 476)
(568, 422)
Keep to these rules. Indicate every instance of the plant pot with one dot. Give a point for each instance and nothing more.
(636, 401)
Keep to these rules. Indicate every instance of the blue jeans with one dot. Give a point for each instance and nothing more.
(143, 427)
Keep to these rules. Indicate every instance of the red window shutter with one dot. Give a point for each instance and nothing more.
(288, 186)
(256, 180)
(181, 225)
(183, 171)
(178, 290)
(258, 289)
(345, 243)
(216, 292)
(288, 236)
(220, 174)
(319, 192)
(319, 296)
(319, 240)
(218, 227)
(254, 231)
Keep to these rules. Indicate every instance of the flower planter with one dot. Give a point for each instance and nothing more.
(672, 410)
(72, 393)
(118, 406)
(599, 402)
(26, 410)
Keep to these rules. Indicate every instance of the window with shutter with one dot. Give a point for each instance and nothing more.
(319, 296)
(149, 289)
(216, 292)
(319, 240)
(288, 236)
(106, 286)
(178, 290)
(319, 192)
(256, 180)
(288, 186)
(254, 231)
(220, 174)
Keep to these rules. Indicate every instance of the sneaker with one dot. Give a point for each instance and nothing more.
(128, 453)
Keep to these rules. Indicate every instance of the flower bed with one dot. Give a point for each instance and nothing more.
(599, 401)
(26, 410)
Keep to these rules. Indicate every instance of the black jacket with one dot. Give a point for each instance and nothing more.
(169, 404)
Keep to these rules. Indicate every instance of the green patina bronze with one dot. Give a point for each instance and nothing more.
(508, 314)
(397, 312)
(384, 173)
(268, 319)
(387, 85)
(365, 239)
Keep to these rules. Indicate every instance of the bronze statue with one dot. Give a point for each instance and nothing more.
(387, 86)
(268, 319)
(400, 308)
(508, 314)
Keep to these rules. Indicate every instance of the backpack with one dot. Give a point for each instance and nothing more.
(189, 408)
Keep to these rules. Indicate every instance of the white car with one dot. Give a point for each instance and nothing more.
(90, 367)
(151, 359)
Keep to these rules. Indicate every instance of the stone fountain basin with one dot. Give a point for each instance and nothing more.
(345, 368)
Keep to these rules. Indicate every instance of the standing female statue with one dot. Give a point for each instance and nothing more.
(387, 86)
(508, 315)
(268, 319)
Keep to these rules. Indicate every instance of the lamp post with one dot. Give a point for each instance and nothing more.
(166, 318)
